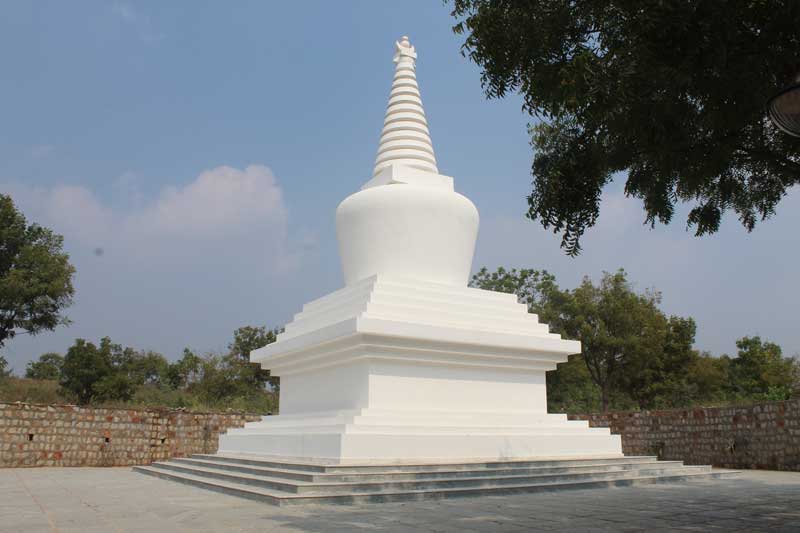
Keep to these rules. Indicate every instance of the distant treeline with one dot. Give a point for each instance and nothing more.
(109, 374)
(633, 357)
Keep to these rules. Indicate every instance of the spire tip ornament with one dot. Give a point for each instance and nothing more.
(405, 139)
(404, 48)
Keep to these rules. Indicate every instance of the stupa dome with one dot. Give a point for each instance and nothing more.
(407, 221)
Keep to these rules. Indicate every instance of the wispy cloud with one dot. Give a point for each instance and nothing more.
(141, 23)
(125, 11)
(41, 151)
(220, 206)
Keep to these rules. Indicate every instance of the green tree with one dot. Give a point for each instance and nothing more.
(110, 371)
(617, 329)
(4, 370)
(535, 288)
(35, 275)
(47, 367)
(759, 371)
(85, 365)
(139, 367)
(185, 371)
(245, 340)
(115, 386)
(228, 381)
(655, 371)
(249, 338)
(670, 93)
(708, 379)
(569, 387)
(149, 368)
(632, 353)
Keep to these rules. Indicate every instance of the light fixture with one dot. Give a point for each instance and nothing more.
(784, 109)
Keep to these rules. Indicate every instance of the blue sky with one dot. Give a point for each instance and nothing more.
(193, 155)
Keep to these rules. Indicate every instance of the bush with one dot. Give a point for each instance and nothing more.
(33, 391)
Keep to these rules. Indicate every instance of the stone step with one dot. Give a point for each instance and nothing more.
(391, 495)
(382, 428)
(411, 476)
(471, 317)
(416, 466)
(376, 484)
(369, 418)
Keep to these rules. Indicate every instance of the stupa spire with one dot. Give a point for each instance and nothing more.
(405, 138)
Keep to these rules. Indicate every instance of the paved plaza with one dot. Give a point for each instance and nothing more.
(119, 500)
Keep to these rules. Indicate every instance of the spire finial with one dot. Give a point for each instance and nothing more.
(403, 48)
(405, 138)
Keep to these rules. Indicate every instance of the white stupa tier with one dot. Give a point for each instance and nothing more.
(405, 138)
(407, 363)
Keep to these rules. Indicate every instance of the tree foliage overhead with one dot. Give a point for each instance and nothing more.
(670, 92)
(35, 275)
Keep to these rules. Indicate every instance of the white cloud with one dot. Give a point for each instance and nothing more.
(140, 22)
(124, 10)
(183, 268)
(219, 200)
(41, 151)
(220, 204)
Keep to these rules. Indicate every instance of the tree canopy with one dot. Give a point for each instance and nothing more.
(35, 275)
(48, 366)
(670, 93)
(249, 338)
(109, 372)
(4, 370)
(632, 354)
(761, 370)
(85, 367)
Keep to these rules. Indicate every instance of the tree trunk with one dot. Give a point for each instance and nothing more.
(604, 397)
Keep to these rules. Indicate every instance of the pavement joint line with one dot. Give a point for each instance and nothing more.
(83, 502)
(53, 527)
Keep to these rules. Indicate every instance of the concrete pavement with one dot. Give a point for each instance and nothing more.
(119, 500)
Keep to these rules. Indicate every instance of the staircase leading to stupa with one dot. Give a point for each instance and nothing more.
(282, 482)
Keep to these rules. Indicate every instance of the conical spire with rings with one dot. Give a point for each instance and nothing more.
(405, 138)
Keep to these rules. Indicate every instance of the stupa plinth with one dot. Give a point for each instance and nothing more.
(407, 363)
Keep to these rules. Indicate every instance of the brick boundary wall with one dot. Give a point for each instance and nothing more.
(755, 436)
(68, 435)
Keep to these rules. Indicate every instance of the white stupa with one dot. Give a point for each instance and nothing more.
(406, 363)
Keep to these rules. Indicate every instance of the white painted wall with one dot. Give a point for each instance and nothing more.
(404, 386)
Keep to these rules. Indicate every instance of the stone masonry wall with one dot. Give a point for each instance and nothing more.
(756, 436)
(68, 435)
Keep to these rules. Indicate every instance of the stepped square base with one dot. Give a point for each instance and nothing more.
(395, 370)
(356, 439)
(355, 449)
(285, 482)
